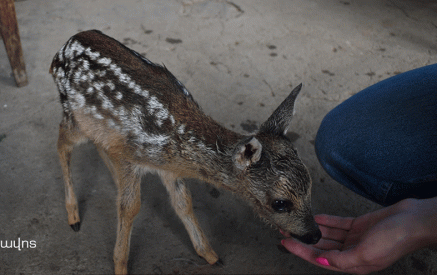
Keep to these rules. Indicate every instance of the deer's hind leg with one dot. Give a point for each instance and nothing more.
(128, 206)
(69, 135)
(182, 203)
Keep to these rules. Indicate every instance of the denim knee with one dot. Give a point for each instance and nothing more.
(382, 142)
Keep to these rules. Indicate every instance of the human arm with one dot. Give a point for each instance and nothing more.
(373, 241)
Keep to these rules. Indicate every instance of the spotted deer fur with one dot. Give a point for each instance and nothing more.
(141, 118)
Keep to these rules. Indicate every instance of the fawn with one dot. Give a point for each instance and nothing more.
(141, 118)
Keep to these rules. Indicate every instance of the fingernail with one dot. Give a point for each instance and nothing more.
(323, 261)
(282, 242)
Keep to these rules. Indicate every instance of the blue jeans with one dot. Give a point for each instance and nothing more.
(382, 142)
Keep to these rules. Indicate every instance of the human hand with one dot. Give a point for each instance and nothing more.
(373, 241)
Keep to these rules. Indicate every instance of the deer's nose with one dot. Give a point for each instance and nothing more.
(311, 238)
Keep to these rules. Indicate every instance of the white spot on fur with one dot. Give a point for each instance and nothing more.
(104, 61)
(98, 85)
(156, 108)
(115, 69)
(92, 55)
(76, 46)
(158, 140)
(119, 95)
(112, 87)
(60, 72)
(77, 76)
(67, 87)
(144, 93)
(106, 103)
(161, 116)
(74, 49)
(84, 78)
(120, 112)
(78, 101)
(154, 104)
(181, 129)
(60, 53)
(124, 78)
(139, 91)
(86, 64)
(98, 116)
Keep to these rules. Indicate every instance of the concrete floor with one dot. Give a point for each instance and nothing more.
(239, 59)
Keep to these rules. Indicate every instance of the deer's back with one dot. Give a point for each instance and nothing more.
(110, 90)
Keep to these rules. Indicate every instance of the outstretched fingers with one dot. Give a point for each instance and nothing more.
(334, 221)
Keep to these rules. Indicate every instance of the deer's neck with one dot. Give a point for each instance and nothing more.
(209, 148)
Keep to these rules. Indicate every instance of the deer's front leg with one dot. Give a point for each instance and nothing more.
(128, 206)
(182, 204)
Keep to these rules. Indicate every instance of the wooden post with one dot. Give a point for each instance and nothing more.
(11, 38)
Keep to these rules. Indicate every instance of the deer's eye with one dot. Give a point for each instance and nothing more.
(282, 206)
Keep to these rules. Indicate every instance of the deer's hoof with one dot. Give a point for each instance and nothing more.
(219, 263)
(76, 226)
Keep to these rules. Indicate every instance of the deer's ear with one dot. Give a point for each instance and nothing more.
(280, 120)
(247, 153)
